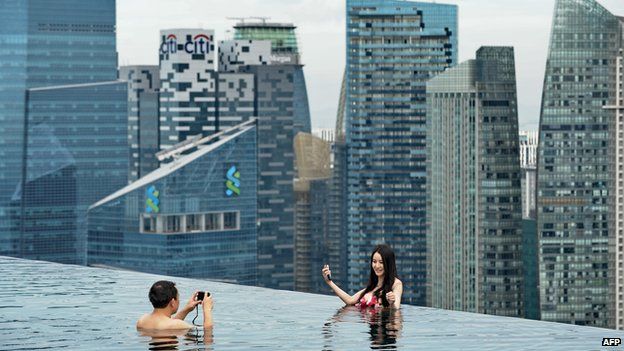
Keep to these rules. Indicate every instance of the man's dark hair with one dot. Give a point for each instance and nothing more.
(162, 292)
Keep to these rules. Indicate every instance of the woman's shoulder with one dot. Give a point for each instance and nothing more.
(397, 283)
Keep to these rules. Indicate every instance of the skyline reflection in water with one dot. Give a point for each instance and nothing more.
(384, 326)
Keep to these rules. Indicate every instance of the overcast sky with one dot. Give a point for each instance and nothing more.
(523, 24)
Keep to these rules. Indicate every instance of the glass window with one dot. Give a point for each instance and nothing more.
(193, 223)
(213, 221)
(172, 224)
(230, 220)
(149, 224)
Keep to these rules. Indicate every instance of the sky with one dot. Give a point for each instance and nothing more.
(321, 25)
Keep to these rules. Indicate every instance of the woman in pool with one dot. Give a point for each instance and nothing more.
(384, 287)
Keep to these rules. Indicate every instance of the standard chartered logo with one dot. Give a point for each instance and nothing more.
(233, 182)
(152, 202)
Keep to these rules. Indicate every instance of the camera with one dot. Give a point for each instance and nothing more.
(200, 295)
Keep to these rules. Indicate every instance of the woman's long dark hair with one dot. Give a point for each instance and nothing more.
(390, 274)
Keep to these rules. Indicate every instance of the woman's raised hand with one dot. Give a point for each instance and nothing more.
(326, 273)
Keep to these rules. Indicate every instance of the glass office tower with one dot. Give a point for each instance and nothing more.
(143, 118)
(48, 44)
(194, 217)
(312, 206)
(393, 48)
(474, 211)
(285, 50)
(575, 179)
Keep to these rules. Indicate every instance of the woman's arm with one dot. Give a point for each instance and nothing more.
(394, 297)
(346, 298)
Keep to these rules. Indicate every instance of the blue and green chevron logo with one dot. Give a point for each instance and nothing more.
(152, 202)
(233, 182)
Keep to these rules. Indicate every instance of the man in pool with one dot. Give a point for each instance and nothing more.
(165, 298)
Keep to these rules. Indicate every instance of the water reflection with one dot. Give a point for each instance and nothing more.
(384, 326)
(192, 339)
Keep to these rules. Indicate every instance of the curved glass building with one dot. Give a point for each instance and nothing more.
(576, 168)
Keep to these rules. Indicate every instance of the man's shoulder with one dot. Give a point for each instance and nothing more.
(143, 321)
(150, 322)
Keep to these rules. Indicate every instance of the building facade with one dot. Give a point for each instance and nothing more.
(393, 48)
(70, 117)
(143, 118)
(188, 92)
(312, 185)
(528, 183)
(474, 208)
(285, 51)
(575, 178)
(193, 217)
(274, 101)
(618, 108)
(528, 148)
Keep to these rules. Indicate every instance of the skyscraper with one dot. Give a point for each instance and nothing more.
(528, 148)
(282, 111)
(312, 184)
(61, 114)
(393, 48)
(576, 180)
(274, 108)
(618, 108)
(188, 91)
(285, 50)
(474, 209)
(192, 217)
(143, 118)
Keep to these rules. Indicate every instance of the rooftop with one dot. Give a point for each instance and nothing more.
(54, 306)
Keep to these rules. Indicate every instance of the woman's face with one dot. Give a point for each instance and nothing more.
(378, 265)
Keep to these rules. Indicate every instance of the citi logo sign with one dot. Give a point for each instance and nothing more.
(152, 202)
(233, 182)
(200, 44)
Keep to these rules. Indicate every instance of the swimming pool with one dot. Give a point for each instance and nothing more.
(51, 306)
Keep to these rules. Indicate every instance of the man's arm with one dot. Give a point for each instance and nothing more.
(188, 308)
(207, 307)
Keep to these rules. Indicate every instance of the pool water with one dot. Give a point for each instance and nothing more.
(51, 306)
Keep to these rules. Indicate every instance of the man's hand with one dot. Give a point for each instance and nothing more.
(190, 305)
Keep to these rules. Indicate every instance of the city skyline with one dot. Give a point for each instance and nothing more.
(321, 30)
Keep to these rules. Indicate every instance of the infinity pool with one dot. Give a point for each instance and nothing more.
(52, 306)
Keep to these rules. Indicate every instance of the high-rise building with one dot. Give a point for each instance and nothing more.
(193, 217)
(474, 208)
(143, 118)
(197, 100)
(618, 108)
(63, 136)
(528, 183)
(274, 108)
(393, 49)
(188, 90)
(284, 50)
(337, 202)
(281, 106)
(528, 148)
(576, 181)
(312, 184)
(529, 268)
